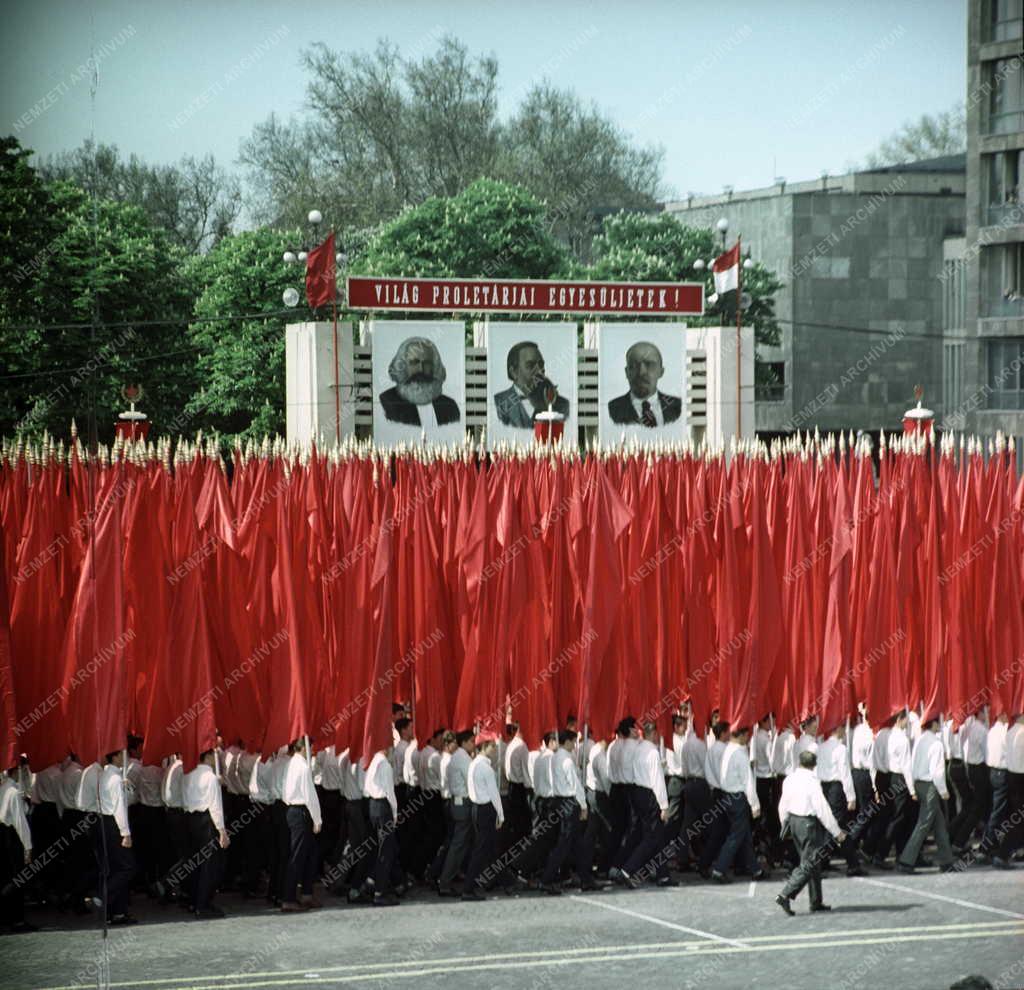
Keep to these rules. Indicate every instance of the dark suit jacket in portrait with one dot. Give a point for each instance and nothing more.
(621, 410)
(400, 410)
(510, 409)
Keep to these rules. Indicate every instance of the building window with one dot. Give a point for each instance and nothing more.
(1006, 95)
(1005, 378)
(770, 381)
(1003, 177)
(1002, 280)
(953, 384)
(954, 299)
(1006, 18)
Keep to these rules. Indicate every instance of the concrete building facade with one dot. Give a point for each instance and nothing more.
(990, 350)
(861, 257)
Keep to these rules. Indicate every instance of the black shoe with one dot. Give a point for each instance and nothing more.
(719, 877)
(667, 882)
(23, 928)
(473, 895)
(949, 868)
(820, 907)
(616, 875)
(880, 864)
(591, 885)
(123, 919)
(923, 861)
(783, 901)
(856, 871)
(447, 892)
(551, 889)
(705, 872)
(388, 900)
(210, 911)
(902, 867)
(759, 875)
(1001, 864)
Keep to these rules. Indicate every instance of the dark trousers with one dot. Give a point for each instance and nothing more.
(206, 858)
(460, 843)
(360, 850)
(931, 818)
(44, 823)
(647, 860)
(739, 842)
(675, 788)
(255, 837)
(12, 862)
(959, 789)
(387, 872)
(617, 852)
(177, 832)
(77, 861)
(482, 871)
(717, 827)
(766, 825)
(437, 866)
(568, 812)
(836, 797)
(543, 836)
(809, 837)
(280, 850)
(996, 840)
(976, 807)
(517, 820)
(1016, 789)
(233, 860)
(902, 817)
(432, 830)
(115, 864)
(301, 865)
(696, 799)
(874, 839)
(860, 828)
(598, 827)
(330, 812)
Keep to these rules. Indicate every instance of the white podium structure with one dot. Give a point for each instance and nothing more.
(320, 398)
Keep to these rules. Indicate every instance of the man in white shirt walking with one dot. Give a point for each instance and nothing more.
(928, 766)
(837, 786)
(302, 814)
(488, 816)
(806, 815)
(995, 843)
(461, 812)
(380, 789)
(102, 792)
(901, 796)
(740, 795)
(718, 828)
(207, 833)
(650, 802)
(517, 772)
(15, 854)
(696, 798)
(975, 809)
(569, 803)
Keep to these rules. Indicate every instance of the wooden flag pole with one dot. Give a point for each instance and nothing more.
(739, 345)
(337, 386)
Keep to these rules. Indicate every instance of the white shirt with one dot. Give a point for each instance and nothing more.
(695, 752)
(713, 764)
(483, 785)
(446, 759)
(46, 786)
(202, 793)
(597, 770)
(516, 762)
(172, 792)
(736, 775)
(899, 756)
(621, 754)
(458, 775)
(430, 769)
(647, 771)
(833, 765)
(278, 771)
(330, 769)
(881, 750)
(398, 759)
(760, 752)
(132, 775)
(12, 811)
(1015, 747)
(804, 742)
(112, 799)
(411, 765)
(862, 747)
(782, 753)
(566, 777)
(297, 788)
(353, 777)
(951, 741)
(543, 779)
(802, 795)
(69, 781)
(674, 756)
(261, 785)
(380, 782)
(151, 782)
(232, 777)
(974, 733)
(87, 798)
(655, 404)
(995, 755)
(929, 761)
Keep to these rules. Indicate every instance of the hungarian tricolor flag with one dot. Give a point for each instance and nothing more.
(726, 268)
(320, 288)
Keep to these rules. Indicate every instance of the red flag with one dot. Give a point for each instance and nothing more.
(8, 735)
(837, 668)
(320, 284)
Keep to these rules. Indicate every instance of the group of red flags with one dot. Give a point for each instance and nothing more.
(274, 595)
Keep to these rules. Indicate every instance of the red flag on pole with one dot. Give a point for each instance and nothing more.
(320, 282)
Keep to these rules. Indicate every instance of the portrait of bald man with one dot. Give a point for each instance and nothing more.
(518, 405)
(644, 404)
(416, 398)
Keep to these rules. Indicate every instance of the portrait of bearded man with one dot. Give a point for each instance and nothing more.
(416, 399)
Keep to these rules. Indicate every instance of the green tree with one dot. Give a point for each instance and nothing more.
(491, 229)
(658, 248)
(84, 284)
(241, 361)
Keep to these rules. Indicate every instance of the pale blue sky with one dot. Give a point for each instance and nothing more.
(735, 92)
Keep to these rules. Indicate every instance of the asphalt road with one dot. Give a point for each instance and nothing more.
(923, 931)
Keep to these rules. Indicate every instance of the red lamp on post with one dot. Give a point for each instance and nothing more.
(548, 425)
(132, 424)
(918, 419)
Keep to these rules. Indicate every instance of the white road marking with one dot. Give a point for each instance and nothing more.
(751, 888)
(940, 897)
(659, 921)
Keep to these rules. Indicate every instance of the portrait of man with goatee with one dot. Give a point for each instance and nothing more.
(416, 399)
